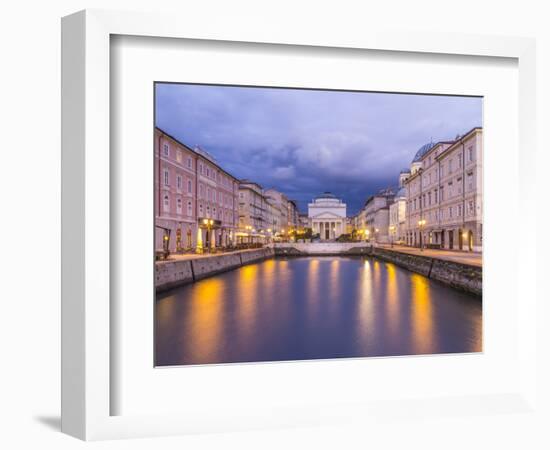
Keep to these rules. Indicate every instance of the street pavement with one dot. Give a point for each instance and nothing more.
(471, 258)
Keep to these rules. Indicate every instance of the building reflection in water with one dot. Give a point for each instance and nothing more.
(313, 308)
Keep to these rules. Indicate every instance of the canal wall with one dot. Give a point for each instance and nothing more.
(177, 272)
(464, 277)
(321, 248)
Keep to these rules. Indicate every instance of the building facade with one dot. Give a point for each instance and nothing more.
(445, 194)
(375, 216)
(255, 213)
(195, 199)
(292, 215)
(327, 216)
(264, 215)
(281, 208)
(303, 221)
(397, 230)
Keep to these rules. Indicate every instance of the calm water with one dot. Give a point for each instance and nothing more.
(313, 308)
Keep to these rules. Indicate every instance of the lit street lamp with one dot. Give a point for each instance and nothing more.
(421, 224)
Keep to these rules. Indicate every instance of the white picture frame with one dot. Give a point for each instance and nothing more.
(86, 221)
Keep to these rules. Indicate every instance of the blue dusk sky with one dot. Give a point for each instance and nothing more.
(304, 142)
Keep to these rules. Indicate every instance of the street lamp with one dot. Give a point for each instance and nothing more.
(421, 224)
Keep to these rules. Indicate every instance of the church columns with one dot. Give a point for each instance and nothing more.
(328, 228)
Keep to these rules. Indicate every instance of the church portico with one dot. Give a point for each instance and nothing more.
(327, 216)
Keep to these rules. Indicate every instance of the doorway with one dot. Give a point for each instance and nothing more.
(451, 239)
(470, 240)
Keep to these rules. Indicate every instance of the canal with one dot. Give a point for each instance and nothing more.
(313, 308)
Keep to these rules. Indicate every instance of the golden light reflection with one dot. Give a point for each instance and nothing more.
(205, 320)
(335, 279)
(392, 301)
(247, 299)
(313, 279)
(421, 315)
(365, 314)
(376, 272)
(312, 289)
(269, 276)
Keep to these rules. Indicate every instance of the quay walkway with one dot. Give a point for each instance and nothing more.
(462, 257)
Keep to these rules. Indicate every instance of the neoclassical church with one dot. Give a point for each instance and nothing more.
(327, 216)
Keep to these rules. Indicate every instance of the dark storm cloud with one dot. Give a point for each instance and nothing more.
(304, 142)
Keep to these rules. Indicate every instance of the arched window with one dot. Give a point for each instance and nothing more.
(189, 209)
(166, 203)
(178, 206)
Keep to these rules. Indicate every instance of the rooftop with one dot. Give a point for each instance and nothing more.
(422, 151)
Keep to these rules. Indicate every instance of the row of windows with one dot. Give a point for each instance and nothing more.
(470, 155)
(451, 190)
(217, 214)
(450, 213)
(204, 169)
(211, 194)
(179, 206)
(179, 156)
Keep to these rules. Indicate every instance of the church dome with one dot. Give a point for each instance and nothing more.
(401, 193)
(327, 195)
(422, 151)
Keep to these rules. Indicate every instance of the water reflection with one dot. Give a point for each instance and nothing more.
(202, 328)
(421, 315)
(313, 308)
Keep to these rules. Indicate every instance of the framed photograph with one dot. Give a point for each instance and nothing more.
(281, 228)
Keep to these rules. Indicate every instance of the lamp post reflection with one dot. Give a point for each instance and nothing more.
(421, 224)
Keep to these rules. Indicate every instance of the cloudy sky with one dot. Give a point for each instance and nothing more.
(304, 142)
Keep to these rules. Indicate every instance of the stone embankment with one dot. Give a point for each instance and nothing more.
(177, 272)
(172, 273)
(464, 277)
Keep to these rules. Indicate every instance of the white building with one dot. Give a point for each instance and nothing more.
(445, 194)
(327, 216)
(376, 214)
(398, 218)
